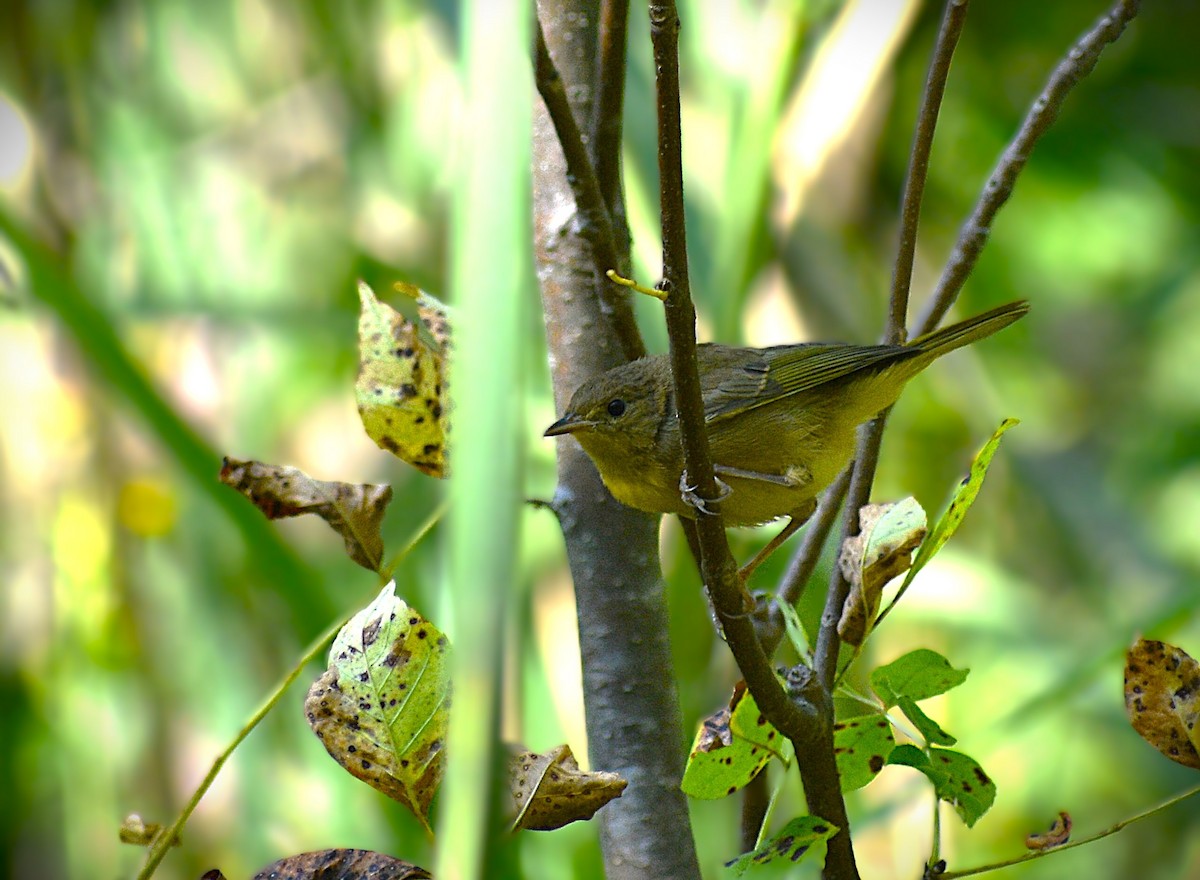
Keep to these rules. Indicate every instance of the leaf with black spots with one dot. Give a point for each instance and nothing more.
(354, 511)
(861, 746)
(342, 864)
(731, 747)
(804, 836)
(382, 706)
(401, 390)
(957, 778)
(549, 790)
(1162, 699)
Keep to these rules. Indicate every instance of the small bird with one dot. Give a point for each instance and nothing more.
(781, 421)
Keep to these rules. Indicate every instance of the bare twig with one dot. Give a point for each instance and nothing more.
(806, 716)
(1077, 64)
(870, 435)
(595, 222)
(1112, 829)
(608, 116)
(918, 166)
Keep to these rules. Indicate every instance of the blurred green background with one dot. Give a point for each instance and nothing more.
(193, 190)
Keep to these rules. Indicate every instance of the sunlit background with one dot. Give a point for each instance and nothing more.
(199, 185)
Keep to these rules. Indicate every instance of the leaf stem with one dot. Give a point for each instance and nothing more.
(163, 842)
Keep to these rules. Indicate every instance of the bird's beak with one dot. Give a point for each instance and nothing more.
(568, 424)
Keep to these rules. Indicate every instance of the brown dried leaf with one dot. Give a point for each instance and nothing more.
(549, 790)
(1162, 699)
(342, 864)
(401, 387)
(888, 533)
(1059, 833)
(354, 511)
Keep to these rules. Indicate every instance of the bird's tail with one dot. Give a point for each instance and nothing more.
(938, 342)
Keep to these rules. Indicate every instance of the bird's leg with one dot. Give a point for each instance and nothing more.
(799, 517)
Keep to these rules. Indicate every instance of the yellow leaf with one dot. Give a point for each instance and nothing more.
(401, 387)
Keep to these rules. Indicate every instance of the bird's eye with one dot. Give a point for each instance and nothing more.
(616, 407)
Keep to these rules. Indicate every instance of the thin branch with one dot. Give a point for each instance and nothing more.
(805, 717)
(1077, 64)
(608, 115)
(870, 435)
(862, 473)
(1112, 829)
(918, 165)
(595, 223)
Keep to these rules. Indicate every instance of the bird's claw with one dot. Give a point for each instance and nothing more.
(691, 499)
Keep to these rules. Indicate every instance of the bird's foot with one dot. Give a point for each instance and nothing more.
(690, 498)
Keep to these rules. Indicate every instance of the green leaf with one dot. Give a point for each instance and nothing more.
(917, 675)
(795, 628)
(964, 496)
(929, 729)
(731, 747)
(795, 842)
(957, 778)
(381, 708)
(862, 745)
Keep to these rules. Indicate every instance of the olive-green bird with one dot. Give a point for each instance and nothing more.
(781, 420)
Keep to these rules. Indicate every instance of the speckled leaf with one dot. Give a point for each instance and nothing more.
(731, 747)
(1162, 698)
(919, 674)
(342, 864)
(861, 746)
(957, 778)
(401, 388)
(882, 550)
(549, 790)
(804, 836)
(964, 496)
(382, 706)
(354, 511)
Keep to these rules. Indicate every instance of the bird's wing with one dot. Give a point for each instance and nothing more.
(786, 370)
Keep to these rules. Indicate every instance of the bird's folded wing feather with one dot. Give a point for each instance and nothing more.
(791, 369)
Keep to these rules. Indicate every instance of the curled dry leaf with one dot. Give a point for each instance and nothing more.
(342, 864)
(882, 550)
(401, 387)
(354, 511)
(1162, 698)
(549, 790)
(1058, 834)
(381, 709)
